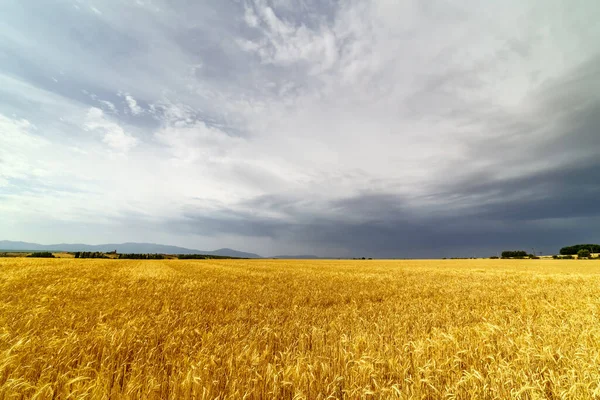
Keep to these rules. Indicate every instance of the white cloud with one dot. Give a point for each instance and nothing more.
(250, 17)
(17, 144)
(133, 105)
(404, 91)
(16, 131)
(285, 44)
(114, 135)
(191, 142)
(109, 106)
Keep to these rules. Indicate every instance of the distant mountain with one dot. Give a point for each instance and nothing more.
(19, 246)
(301, 257)
(121, 248)
(232, 253)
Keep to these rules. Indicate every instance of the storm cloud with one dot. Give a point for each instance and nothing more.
(359, 128)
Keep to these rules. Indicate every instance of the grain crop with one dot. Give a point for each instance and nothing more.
(281, 329)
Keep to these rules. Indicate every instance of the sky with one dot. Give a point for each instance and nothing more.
(390, 128)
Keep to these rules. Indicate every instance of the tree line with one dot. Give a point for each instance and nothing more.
(573, 250)
(148, 256)
(566, 253)
(90, 254)
(134, 256)
(514, 254)
(41, 254)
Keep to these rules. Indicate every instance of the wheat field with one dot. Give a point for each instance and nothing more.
(269, 329)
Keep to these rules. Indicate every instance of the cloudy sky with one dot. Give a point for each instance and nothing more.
(389, 128)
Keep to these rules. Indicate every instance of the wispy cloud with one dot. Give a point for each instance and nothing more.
(113, 134)
(133, 105)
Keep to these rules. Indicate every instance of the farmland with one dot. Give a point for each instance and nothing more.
(281, 329)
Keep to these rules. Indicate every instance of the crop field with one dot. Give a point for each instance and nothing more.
(280, 329)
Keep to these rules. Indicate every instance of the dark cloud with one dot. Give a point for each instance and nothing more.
(554, 209)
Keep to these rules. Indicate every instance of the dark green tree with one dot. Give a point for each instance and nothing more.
(583, 253)
(572, 250)
(42, 254)
(514, 254)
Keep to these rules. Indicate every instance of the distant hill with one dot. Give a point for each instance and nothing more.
(233, 253)
(121, 248)
(300, 257)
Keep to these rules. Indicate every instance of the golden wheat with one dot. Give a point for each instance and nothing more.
(268, 329)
